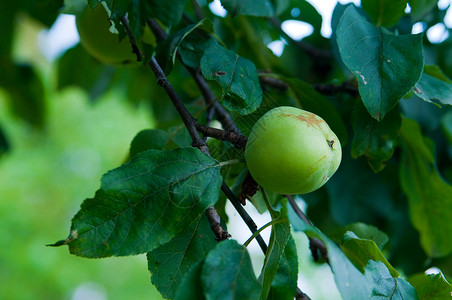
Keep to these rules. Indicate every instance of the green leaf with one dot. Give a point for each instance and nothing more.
(386, 65)
(434, 86)
(373, 139)
(307, 13)
(25, 90)
(311, 100)
(367, 232)
(431, 287)
(429, 196)
(168, 12)
(237, 76)
(191, 286)
(166, 51)
(169, 263)
(387, 287)
(360, 251)
(145, 203)
(384, 12)
(284, 286)
(350, 282)
(227, 273)
(419, 8)
(151, 139)
(257, 8)
(278, 239)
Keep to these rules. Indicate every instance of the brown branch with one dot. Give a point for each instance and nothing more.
(315, 244)
(214, 220)
(238, 140)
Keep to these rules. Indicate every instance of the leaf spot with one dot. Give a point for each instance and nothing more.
(220, 73)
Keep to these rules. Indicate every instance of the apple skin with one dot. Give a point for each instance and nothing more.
(292, 151)
(99, 41)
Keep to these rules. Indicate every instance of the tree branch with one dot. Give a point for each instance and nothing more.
(244, 215)
(132, 40)
(238, 140)
(315, 244)
(223, 116)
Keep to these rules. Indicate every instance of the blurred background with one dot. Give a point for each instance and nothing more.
(49, 170)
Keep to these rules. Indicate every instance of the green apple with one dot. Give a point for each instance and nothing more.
(96, 37)
(292, 151)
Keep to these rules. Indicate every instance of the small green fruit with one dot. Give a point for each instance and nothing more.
(292, 151)
(99, 41)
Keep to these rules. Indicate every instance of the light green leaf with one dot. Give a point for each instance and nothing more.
(170, 262)
(384, 12)
(360, 251)
(257, 8)
(431, 287)
(386, 65)
(284, 286)
(368, 232)
(278, 239)
(145, 203)
(434, 87)
(237, 76)
(227, 273)
(387, 287)
(429, 196)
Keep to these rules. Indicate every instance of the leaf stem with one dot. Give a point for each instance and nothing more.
(272, 222)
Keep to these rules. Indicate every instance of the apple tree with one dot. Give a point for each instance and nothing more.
(380, 222)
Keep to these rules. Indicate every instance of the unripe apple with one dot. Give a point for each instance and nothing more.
(99, 41)
(292, 151)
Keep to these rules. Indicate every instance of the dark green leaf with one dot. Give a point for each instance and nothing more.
(360, 251)
(227, 273)
(145, 203)
(258, 8)
(311, 100)
(278, 239)
(25, 90)
(166, 51)
(431, 287)
(169, 263)
(284, 286)
(384, 12)
(419, 8)
(368, 232)
(386, 65)
(77, 67)
(434, 86)
(4, 142)
(306, 13)
(191, 286)
(237, 77)
(169, 12)
(376, 140)
(151, 139)
(193, 46)
(429, 196)
(387, 287)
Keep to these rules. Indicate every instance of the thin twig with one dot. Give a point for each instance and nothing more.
(215, 225)
(314, 243)
(132, 40)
